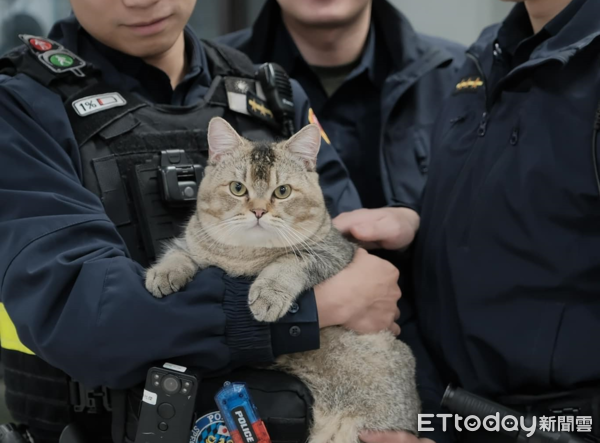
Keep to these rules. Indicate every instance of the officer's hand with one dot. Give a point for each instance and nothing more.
(387, 228)
(392, 437)
(363, 297)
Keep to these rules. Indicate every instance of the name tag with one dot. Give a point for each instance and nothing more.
(97, 103)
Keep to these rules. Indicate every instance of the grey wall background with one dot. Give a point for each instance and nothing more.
(458, 20)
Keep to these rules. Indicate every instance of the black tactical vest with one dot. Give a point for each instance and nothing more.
(144, 161)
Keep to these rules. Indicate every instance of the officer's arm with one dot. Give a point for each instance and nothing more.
(299, 330)
(76, 299)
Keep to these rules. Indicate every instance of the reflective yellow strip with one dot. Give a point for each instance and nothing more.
(9, 338)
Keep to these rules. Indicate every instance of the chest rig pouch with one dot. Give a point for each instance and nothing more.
(145, 162)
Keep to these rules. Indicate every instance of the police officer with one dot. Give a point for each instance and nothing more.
(376, 86)
(508, 255)
(87, 118)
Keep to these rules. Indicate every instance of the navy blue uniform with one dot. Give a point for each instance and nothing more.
(379, 120)
(76, 298)
(508, 256)
(351, 116)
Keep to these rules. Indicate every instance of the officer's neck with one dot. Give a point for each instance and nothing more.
(541, 12)
(172, 62)
(330, 46)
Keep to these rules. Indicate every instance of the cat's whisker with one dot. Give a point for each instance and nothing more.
(286, 238)
(285, 242)
(212, 231)
(206, 236)
(215, 240)
(332, 256)
(311, 251)
(314, 241)
(310, 233)
(202, 230)
(278, 232)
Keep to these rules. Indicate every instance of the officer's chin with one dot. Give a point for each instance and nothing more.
(146, 47)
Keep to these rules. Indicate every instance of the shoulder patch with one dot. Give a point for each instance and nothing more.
(258, 108)
(210, 428)
(312, 118)
(468, 84)
(53, 55)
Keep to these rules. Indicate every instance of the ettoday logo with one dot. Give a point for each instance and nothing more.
(509, 423)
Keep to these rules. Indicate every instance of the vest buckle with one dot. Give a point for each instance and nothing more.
(179, 177)
(91, 401)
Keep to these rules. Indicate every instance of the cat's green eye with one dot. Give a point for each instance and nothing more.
(283, 191)
(237, 189)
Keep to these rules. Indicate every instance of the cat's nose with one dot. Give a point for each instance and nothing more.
(258, 212)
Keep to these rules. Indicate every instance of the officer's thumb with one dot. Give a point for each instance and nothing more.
(379, 234)
(366, 232)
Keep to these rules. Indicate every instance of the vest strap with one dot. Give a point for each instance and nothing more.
(88, 125)
(112, 191)
(227, 61)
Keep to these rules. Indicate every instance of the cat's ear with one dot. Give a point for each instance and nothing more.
(222, 139)
(305, 144)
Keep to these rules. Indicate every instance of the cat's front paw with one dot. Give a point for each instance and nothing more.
(268, 301)
(162, 280)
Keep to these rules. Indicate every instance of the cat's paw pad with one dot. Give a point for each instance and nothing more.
(161, 281)
(267, 302)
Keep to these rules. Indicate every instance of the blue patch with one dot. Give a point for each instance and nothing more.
(210, 428)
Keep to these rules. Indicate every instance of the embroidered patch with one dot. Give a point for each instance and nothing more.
(40, 44)
(97, 103)
(237, 88)
(469, 84)
(312, 118)
(258, 108)
(53, 55)
(210, 428)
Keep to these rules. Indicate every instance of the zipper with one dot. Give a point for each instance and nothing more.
(430, 61)
(483, 79)
(481, 131)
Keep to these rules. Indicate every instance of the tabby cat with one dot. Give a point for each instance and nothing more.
(261, 213)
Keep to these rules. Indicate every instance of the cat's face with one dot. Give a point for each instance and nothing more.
(261, 194)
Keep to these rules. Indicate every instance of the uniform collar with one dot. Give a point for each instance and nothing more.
(516, 28)
(575, 28)
(564, 17)
(286, 53)
(132, 71)
(396, 32)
